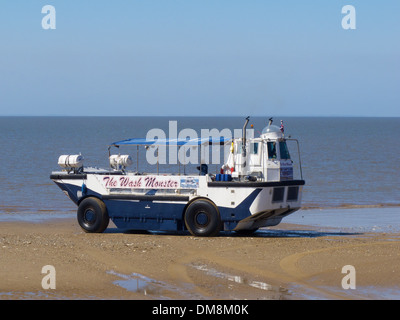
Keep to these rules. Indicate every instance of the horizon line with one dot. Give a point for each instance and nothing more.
(194, 116)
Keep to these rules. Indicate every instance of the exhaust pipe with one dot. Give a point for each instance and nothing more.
(244, 137)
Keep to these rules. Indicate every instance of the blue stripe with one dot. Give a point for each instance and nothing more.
(146, 215)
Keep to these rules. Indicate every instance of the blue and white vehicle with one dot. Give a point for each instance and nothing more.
(256, 189)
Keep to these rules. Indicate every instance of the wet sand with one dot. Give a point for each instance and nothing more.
(284, 262)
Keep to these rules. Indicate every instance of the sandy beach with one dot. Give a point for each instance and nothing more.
(284, 262)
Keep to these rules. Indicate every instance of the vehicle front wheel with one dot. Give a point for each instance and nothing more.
(92, 215)
(202, 218)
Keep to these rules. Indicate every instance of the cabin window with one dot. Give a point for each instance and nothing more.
(254, 148)
(284, 151)
(271, 146)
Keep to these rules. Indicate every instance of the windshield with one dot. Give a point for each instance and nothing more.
(284, 151)
(271, 146)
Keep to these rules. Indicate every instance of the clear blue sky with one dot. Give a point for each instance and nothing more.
(200, 57)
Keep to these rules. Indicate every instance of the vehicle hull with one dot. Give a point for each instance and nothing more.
(162, 204)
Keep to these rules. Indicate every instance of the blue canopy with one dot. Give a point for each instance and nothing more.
(173, 142)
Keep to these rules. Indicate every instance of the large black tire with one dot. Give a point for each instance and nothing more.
(202, 218)
(92, 215)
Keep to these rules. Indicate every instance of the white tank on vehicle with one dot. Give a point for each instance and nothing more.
(118, 161)
(70, 161)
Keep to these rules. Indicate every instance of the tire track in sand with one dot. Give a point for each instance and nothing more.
(290, 264)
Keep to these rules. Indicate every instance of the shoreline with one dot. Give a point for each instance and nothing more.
(7, 210)
(289, 261)
(351, 206)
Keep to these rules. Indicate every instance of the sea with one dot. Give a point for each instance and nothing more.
(350, 164)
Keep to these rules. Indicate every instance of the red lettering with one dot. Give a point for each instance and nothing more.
(139, 182)
(110, 182)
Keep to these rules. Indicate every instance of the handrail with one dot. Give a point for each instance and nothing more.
(298, 151)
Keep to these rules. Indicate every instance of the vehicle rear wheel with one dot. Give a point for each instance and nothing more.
(202, 218)
(92, 215)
